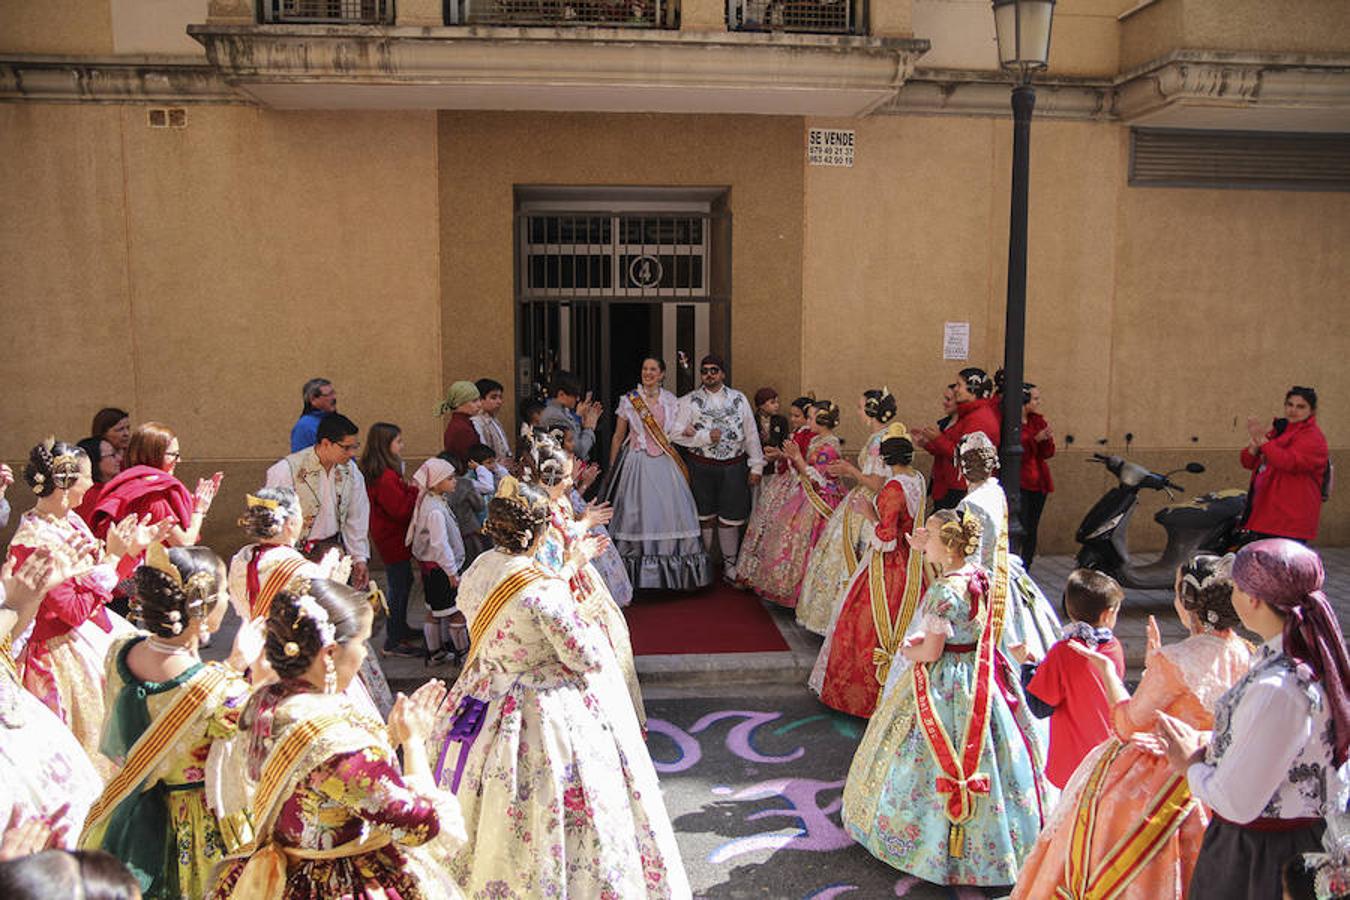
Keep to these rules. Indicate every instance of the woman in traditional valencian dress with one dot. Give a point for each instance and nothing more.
(777, 486)
(545, 464)
(1126, 826)
(263, 569)
(882, 597)
(310, 792)
(61, 657)
(559, 795)
(48, 775)
(1031, 619)
(848, 532)
(655, 524)
(802, 518)
(165, 709)
(942, 785)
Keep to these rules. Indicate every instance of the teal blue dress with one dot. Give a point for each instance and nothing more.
(891, 803)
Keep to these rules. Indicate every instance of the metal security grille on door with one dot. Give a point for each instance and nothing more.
(609, 255)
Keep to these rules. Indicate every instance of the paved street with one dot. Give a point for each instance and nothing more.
(752, 766)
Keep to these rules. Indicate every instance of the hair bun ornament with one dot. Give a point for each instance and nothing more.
(253, 501)
(157, 558)
(308, 608)
(895, 431)
(291, 649)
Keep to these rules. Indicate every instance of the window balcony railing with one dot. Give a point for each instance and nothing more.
(804, 16)
(327, 12)
(595, 13)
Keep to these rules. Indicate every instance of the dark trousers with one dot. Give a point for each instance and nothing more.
(1033, 504)
(400, 586)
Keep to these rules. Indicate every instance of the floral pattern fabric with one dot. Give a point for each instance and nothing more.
(1180, 681)
(793, 533)
(828, 575)
(891, 806)
(558, 792)
(194, 833)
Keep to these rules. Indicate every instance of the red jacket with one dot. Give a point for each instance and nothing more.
(391, 508)
(1286, 488)
(971, 416)
(460, 435)
(1035, 470)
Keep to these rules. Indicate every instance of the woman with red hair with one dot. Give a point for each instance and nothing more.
(147, 487)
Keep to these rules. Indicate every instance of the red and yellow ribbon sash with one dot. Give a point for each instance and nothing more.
(1163, 816)
(823, 509)
(150, 749)
(960, 782)
(655, 431)
(276, 582)
(500, 595)
(891, 633)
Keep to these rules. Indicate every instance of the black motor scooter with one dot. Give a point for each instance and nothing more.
(1206, 524)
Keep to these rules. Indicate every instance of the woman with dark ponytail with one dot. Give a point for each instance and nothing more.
(332, 813)
(62, 662)
(559, 794)
(165, 710)
(848, 532)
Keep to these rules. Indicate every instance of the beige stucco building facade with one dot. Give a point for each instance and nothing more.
(344, 200)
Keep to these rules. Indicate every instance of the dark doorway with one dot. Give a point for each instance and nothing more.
(634, 334)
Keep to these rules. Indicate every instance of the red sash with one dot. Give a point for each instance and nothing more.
(959, 782)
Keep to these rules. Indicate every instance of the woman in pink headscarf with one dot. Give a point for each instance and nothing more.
(1276, 764)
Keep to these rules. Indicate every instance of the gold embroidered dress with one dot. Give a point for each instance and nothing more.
(332, 816)
(162, 829)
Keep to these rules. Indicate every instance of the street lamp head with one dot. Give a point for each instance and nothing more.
(1023, 28)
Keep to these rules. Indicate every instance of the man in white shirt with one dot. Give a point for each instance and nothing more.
(725, 459)
(332, 494)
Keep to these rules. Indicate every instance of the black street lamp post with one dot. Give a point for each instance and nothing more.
(1023, 28)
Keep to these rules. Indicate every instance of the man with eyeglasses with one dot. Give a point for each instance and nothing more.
(334, 507)
(319, 398)
(725, 459)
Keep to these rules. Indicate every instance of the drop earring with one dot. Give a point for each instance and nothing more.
(329, 676)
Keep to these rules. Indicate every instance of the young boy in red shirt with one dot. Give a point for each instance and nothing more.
(1064, 685)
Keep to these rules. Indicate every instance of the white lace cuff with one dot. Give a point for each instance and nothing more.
(882, 546)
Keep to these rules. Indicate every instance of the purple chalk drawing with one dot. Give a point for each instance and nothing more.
(690, 751)
(906, 884)
(739, 738)
(829, 893)
(815, 831)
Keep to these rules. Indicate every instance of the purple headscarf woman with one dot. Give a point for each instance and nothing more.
(1288, 577)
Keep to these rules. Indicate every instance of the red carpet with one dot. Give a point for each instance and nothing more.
(717, 619)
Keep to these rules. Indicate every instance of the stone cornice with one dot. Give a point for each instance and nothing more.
(556, 68)
(120, 79)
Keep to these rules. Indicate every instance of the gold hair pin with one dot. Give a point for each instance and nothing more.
(156, 557)
(253, 501)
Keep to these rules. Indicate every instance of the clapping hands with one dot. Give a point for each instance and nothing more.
(412, 718)
(131, 536)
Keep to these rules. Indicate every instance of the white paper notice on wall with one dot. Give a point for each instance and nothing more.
(830, 147)
(956, 340)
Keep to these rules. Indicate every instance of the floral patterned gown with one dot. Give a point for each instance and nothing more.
(45, 767)
(828, 575)
(351, 826)
(891, 804)
(774, 491)
(591, 594)
(164, 833)
(1184, 680)
(799, 524)
(62, 657)
(559, 795)
(850, 678)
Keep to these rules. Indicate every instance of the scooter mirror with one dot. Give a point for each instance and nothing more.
(1194, 468)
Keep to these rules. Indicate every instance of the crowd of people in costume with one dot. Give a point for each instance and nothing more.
(1002, 746)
